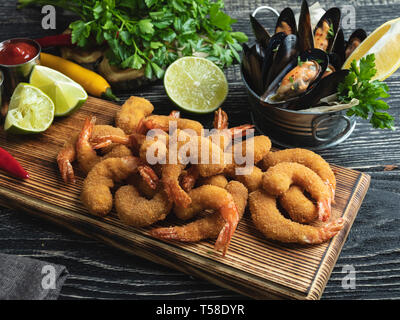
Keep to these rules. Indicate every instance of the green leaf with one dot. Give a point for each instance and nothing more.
(359, 85)
(156, 45)
(157, 70)
(80, 32)
(240, 36)
(219, 18)
(146, 26)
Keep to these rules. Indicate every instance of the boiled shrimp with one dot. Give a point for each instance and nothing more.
(132, 112)
(96, 194)
(278, 179)
(269, 221)
(138, 211)
(230, 203)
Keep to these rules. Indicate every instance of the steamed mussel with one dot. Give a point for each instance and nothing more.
(297, 65)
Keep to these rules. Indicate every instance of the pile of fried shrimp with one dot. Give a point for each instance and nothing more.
(284, 191)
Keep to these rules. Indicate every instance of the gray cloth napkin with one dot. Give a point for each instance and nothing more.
(24, 278)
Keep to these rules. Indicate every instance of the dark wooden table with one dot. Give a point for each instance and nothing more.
(98, 271)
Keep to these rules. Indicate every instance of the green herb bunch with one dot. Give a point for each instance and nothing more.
(151, 34)
(359, 85)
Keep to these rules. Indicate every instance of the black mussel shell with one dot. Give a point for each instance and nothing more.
(288, 50)
(305, 32)
(339, 45)
(355, 40)
(314, 54)
(286, 22)
(324, 88)
(261, 34)
(332, 17)
(252, 67)
(245, 62)
(270, 53)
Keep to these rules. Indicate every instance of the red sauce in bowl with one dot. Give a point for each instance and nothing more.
(16, 52)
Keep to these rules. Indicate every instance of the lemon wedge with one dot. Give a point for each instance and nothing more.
(384, 42)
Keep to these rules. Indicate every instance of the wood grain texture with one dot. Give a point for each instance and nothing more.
(97, 271)
(253, 266)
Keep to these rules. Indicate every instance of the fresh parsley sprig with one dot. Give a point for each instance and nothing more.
(359, 85)
(151, 34)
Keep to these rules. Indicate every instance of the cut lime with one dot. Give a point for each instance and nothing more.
(67, 95)
(30, 110)
(196, 84)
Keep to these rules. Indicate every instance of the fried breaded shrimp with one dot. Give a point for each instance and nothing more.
(299, 207)
(256, 148)
(252, 180)
(164, 122)
(140, 184)
(132, 112)
(211, 225)
(138, 211)
(202, 153)
(307, 158)
(218, 180)
(221, 137)
(96, 194)
(86, 155)
(278, 179)
(68, 154)
(269, 221)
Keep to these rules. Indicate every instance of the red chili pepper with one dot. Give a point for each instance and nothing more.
(10, 165)
(55, 41)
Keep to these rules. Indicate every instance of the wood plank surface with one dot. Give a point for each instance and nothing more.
(98, 271)
(253, 266)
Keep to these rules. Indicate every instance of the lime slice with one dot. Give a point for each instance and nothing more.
(196, 84)
(30, 111)
(67, 95)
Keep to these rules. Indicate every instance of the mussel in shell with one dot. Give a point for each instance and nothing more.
(297, 66)
(286, 22)
(326, 30)
(355, 40)
(297, 79)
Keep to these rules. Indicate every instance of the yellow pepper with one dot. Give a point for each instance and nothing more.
(92, 82)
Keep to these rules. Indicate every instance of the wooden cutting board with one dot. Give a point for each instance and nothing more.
(253, 265)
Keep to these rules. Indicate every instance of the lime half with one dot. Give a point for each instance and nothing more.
(30, 110)
(196, 84)
(67, 95)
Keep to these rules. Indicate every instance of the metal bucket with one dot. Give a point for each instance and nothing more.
(298, 129)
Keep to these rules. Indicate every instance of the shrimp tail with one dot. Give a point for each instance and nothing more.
(324, 210)
(327, 232)
(230, 214)
(67, 172)
(189, 179)
(149, 176)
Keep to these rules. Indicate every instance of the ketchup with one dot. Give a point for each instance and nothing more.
(18, 52)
